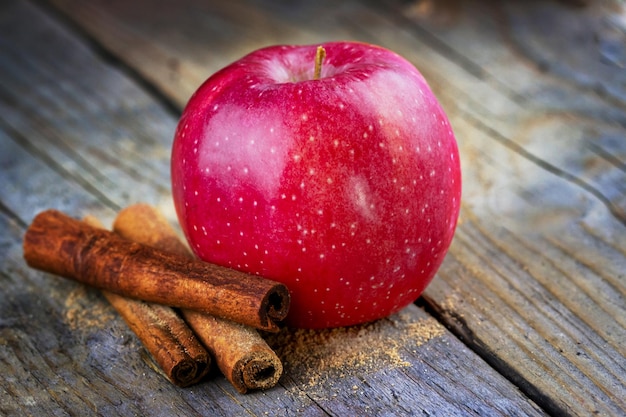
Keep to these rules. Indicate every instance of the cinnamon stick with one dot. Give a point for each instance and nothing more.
(70, 248)
(240, 353)
(165, 335)
(243, 357)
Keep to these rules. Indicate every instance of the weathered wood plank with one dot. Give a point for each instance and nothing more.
(214, 35)
(535, 278)
(79, 135)
(538, 88)
(535, 227)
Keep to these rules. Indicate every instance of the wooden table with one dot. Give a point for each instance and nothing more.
(527, 315)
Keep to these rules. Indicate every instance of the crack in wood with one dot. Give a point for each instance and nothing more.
(616, 211)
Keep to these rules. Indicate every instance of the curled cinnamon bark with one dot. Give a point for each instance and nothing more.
(239, 351)
(171, 343)
(64, 246)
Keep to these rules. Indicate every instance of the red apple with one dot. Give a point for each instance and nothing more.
(346, 188)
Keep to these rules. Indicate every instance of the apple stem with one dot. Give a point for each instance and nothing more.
(320, 54)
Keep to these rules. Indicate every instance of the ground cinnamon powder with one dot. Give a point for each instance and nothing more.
(322, 355)
(84, 311)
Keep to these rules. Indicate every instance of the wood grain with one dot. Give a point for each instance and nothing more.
(537, 212)
(80, 133)
(535, 279)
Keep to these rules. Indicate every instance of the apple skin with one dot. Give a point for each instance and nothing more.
(346, 188)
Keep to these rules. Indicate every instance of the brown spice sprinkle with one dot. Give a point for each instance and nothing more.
(84, 310)
(321, 355)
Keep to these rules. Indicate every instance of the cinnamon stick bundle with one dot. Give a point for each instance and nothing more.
(70, 248)
(171, 343)
(240, 353)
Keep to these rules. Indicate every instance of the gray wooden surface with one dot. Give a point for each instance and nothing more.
(527, 315)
